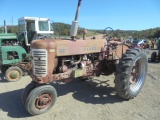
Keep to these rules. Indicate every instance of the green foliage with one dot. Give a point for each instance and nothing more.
(62, 29)
(150, 33)
(14, 29)
(11, 29)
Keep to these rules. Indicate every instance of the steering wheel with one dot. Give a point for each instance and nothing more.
(108, 32)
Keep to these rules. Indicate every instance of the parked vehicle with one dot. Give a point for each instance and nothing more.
(15, 49)
(140, 43)
(58, 59)
(155, 56)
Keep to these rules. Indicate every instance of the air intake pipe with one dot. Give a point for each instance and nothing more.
(26, 39)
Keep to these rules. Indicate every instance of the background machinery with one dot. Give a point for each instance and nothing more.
(155, 56)
(15, 48)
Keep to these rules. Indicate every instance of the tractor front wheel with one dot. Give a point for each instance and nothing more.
(131, 73)
(40, 99)
(13, 74)
(27, 90)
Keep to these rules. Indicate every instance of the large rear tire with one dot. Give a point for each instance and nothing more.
(40, 99)
(131, 73)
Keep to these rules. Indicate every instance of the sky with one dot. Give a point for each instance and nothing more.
(94, 14)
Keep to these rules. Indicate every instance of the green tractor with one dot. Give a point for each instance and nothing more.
(15, 48)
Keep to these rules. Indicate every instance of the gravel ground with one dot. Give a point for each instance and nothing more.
(89, 100)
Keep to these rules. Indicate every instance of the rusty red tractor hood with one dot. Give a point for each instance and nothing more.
(61, 48)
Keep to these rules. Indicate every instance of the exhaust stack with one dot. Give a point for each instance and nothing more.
(74, 27)
(5, 27)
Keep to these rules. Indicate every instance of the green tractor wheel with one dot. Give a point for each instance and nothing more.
(13, 74)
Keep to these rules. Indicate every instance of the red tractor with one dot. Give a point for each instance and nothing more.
(62, 59)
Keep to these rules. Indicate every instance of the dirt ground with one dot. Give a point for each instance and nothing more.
(89, 100)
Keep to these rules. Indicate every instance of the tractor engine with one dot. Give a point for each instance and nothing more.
(10, 42)
(65, 59)
(62, 59)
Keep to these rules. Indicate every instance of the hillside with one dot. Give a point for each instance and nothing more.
(63, 29)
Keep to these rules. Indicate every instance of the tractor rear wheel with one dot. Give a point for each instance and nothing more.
(40, 99)
(131, 73)
(13, 74)
(153, 56)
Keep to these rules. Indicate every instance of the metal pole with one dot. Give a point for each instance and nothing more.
(78, 9)
(5, 28)
(12, 24)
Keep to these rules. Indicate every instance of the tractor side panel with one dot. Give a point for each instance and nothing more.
(9, 49)
(68, 47)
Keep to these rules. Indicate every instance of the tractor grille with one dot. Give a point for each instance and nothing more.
(39, 62)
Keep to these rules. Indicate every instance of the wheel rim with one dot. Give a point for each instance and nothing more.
(138, 74)
(43, 101)
(13, 75)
